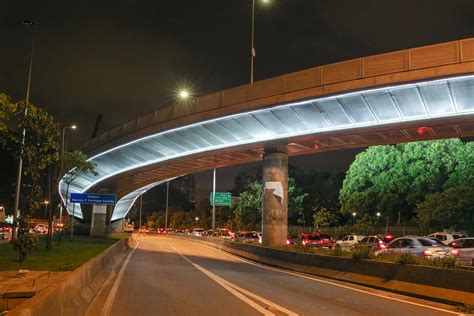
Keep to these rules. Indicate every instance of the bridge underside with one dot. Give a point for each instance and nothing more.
(135, 183)
(432, 109)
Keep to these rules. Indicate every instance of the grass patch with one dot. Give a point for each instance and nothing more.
(465, 308)
(65, 257)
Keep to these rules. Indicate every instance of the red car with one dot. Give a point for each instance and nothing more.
(317, 240)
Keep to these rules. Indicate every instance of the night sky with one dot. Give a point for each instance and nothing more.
(124, 58)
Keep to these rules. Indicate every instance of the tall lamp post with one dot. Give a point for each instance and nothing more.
(354, 218)
(20, 160)
(63, 146)
(252, 51)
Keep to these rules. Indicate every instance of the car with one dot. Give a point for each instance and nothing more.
(447, 237)
(348, 241)
(5, 231)
(224, 233)
(371, 242)
(463, 250)
(292, 239)
(317, 240)
(416, 245)
(198, 232)
(249, 237)
(41, 229)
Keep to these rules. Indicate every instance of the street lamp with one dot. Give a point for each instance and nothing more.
(183, 94)
(20, 160)
(354, 218)
(63, 145)
(46, 202)
(252, 51)
(196, 218)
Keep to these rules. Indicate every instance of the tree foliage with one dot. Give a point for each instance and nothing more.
(29, 132)
(450, 209)
(247, 209)
(389, 179)
(24, 243)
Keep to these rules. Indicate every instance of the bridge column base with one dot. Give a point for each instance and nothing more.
(99, 220)
(275, 196)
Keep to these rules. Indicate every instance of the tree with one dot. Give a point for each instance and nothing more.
(77, 164)
(324, 217)
(393, 179)
(158, 219)
(450, 209)
(247, 209)
(25, 242)
(29, 132)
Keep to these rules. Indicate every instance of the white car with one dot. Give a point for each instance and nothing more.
(463, 250)
(446, 237)
(198, 232)
(349, 241)
(41, 228)
(417, 246)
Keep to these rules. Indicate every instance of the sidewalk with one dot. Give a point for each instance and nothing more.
(18, 286)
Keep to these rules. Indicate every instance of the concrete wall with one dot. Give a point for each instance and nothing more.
(445, 285)
(74, 295)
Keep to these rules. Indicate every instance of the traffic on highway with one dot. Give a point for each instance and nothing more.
(175, 276)
(454, 246)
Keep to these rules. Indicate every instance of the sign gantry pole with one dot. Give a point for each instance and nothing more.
(214, 202)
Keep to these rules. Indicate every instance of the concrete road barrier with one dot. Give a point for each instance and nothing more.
(74, 295)
(439, 284)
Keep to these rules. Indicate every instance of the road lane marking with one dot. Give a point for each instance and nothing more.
(331, 283)
(113, 292)
(238, 291)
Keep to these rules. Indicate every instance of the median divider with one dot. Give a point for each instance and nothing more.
(443, 285)
(74, 295)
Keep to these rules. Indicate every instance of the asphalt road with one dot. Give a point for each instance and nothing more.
(167, 276)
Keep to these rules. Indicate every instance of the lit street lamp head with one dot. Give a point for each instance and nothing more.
(73, 126)
(184, 94)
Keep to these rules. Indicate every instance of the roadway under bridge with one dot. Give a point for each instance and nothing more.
(415, 94)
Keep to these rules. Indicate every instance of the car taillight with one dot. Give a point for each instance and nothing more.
(454, 244)
(455, 252)
(427, 253)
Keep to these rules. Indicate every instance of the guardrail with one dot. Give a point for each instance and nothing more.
(419, 58)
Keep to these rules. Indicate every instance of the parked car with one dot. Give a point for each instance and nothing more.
(447, 237)
(348, 241)
(317, 240)
(371, 242)
(416, 245)
(463, 250)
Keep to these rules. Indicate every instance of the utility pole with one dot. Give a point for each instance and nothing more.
(141, 207)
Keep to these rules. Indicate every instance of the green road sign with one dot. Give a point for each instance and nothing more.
(222, 198)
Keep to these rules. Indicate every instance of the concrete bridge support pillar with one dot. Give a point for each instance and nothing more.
(99, 220)
(275, 196)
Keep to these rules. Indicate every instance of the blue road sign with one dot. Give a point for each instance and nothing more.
(92, 198)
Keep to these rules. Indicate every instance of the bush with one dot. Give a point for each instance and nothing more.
(446, 262)
(406, 258)
(362, 253)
